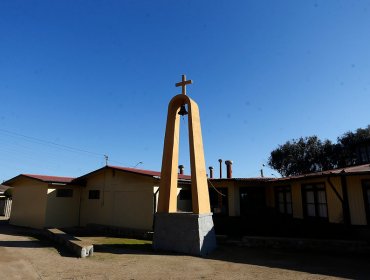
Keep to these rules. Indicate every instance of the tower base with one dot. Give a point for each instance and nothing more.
(187, 233)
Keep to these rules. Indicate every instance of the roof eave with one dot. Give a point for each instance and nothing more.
(80, 180)
(11, 181)
(315, 176)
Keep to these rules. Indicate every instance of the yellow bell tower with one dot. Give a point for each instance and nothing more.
(191, 233)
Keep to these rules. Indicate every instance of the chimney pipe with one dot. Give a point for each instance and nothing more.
(181, 169)
(220, 161)
(229, 169)
(211, 172)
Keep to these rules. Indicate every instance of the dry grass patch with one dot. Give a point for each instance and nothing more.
(116, 245)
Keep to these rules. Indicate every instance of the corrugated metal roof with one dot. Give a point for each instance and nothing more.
(50, 179)
(145, 172)
(42, 178)
(359, 169)
(252, 179)
(3, 188)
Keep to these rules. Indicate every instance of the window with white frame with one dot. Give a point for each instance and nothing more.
(314, 200)
(283, 198)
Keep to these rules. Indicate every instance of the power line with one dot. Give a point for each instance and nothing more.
(50, 142)
(56, 145)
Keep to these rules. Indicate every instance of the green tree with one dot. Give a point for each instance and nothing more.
(303, 155)
(310, 154)
(349, 144)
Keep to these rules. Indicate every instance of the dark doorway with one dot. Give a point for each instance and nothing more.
(252, 203)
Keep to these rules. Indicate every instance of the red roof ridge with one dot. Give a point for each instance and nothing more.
(342, 170)
(145, 171)
(48, 178)
(136, 170)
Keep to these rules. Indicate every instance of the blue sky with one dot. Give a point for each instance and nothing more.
(97, 76)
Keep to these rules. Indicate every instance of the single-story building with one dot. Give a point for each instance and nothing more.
(5, 202)
(112, 196)
(127, 198)
(41, 201)
(334, 199)
(3, 189)
(340, 196)
(120, 196)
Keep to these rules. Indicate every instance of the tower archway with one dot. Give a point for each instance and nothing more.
(191, 233)
(167, 202)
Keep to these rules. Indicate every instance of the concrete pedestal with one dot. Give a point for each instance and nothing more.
(187, 233)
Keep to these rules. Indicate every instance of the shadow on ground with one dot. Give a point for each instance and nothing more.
(35, 239)
(336, 265)
(145, 249)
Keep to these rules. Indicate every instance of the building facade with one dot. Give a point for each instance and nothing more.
(325, 202)
(110, 196)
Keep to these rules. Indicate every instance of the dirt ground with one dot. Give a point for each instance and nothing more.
(25, 257)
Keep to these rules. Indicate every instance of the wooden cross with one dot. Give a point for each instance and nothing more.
(183, 84)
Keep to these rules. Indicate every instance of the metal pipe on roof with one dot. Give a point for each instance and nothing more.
(220, 161)
(181, 169)
(229, 169)
(211, 172)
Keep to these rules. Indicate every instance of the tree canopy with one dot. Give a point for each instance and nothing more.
(310, 154)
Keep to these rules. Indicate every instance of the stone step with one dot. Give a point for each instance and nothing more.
(80, 248)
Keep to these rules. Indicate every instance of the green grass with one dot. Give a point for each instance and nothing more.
(120, 245)
(119, 241)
